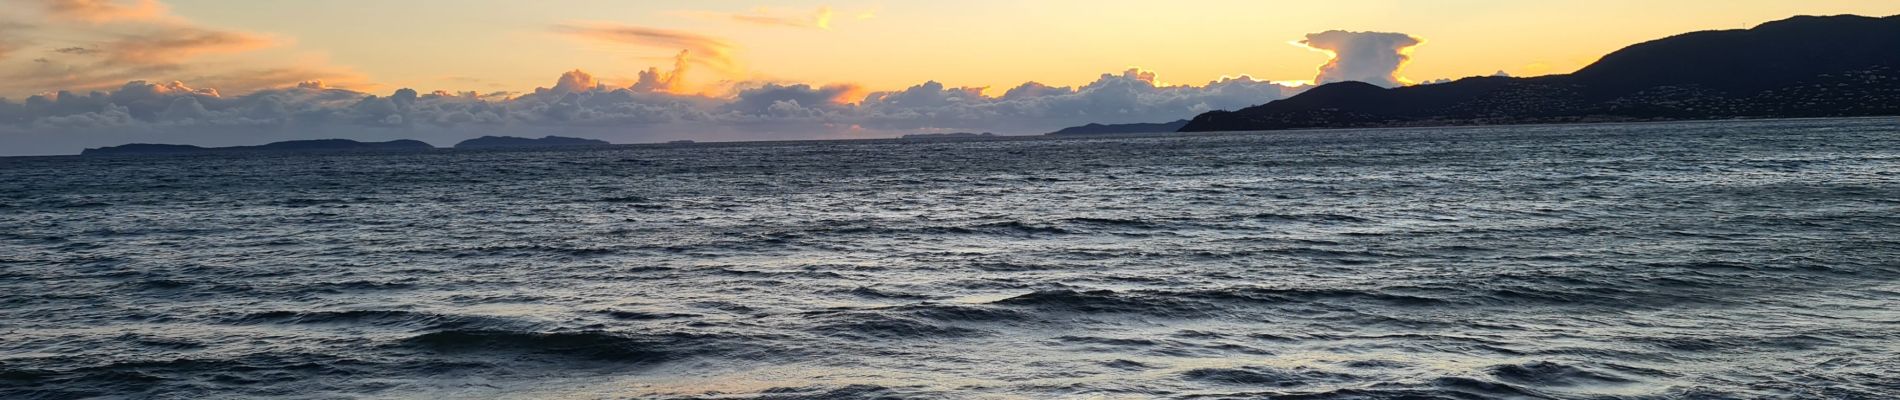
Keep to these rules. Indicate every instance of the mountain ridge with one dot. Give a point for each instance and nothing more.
(1806, 66)
(503, 142)
(1117, 129)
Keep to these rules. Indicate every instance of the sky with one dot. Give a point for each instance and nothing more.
(223, 72)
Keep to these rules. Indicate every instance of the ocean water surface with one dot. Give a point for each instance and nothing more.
(1752, 259)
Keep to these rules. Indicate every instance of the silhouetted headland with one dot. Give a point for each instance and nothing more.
(498, 142)
(1837, 66)
(1119, 129)
(287, 146)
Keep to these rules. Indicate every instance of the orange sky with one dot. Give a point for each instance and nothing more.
(495, 45)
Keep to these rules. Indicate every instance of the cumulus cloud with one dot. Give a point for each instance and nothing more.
(1370, 57)
(674, 81)
(578, 104)
(709, 51)
(797, 100)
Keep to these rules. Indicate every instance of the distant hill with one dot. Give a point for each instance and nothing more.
(1115, 129)
(496, 142)
(289, 146)
(1834, 66)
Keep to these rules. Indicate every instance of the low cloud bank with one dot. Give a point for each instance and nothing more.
(577, 104)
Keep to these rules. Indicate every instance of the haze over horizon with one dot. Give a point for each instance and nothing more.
(87, 73)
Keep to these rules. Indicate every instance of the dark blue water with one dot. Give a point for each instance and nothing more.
(1693, 260)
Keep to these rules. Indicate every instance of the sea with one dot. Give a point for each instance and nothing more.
(1699, 260)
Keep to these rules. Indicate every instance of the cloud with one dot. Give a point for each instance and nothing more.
(101, 11)
(135, 53)
(820, 19)
(653, 80)
(101, 44)
(789, 101)
(254, 79)
(11, 38)
(169, 45)
(579, 104)
(1370, 57)
(709, 51)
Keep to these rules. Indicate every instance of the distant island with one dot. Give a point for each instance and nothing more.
(952, 135)
(1837, 66)
(140, 149)
(502, 142)
(1118, 129)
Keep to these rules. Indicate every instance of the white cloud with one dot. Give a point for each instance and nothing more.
(1370, 57)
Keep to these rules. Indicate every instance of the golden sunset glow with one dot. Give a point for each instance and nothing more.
(638, 71)
(495, 45)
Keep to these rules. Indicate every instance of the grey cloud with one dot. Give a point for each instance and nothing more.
(577, 103)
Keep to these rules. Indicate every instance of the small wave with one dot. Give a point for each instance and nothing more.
(1485, 389)
(1114, 222)
(877, 325)
(868, 292)
(84, 204)
(644, 316)
(1008, 228)
(1128, 365)
(1102, 341)
(346, 286)
(383, 318)
(1019, 228)
(534, 249)
(1310, 218)
(1264, 376)
(958, 313)
(624, 199)
(1106, 301)
(250, 375)
(847, 392)
(309, 202)
(1299, 295)
(1376, 364)
(160, 343)
(1545, 373)
(592, 345)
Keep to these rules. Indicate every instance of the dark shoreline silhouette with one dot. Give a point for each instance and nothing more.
(1802, 67)
(1121, 129)
(502, 142)
(323, 145)
(137, 149)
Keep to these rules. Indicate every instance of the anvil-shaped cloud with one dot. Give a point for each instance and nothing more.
(1370, 57)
